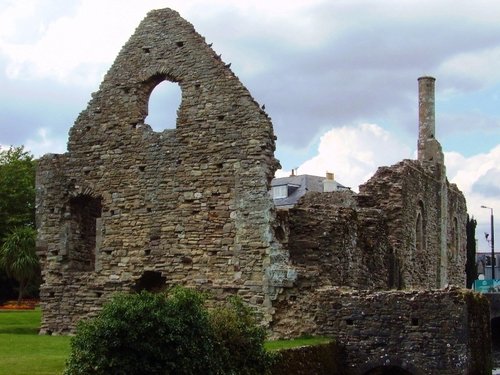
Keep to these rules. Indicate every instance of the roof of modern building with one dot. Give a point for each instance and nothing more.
(298, 186)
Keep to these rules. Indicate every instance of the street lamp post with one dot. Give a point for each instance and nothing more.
(492, 242)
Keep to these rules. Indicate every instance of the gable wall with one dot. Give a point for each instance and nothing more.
(191, 203)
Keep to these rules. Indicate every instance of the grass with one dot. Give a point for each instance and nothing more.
(23, 351)
(295, 343)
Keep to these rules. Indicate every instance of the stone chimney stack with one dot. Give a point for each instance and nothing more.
(429, 149)
(430, 155)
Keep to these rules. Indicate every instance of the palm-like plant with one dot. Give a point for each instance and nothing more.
(18, 257)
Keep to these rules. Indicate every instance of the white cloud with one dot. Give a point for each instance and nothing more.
(353, 154)
(14, 14)
(478, 66)
(82, 39)
(467, 171)
(79, 46)
(45, 142)
(470, 172)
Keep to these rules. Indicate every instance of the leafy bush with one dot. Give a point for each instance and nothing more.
(149, 333)
(240, 339)
(145, 334)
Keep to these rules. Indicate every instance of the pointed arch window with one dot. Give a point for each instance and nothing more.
(420, 228)
(455, 238)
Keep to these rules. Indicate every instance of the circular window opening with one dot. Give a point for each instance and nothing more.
(164, 101)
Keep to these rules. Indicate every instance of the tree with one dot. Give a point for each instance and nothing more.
(470, 265)
(18, 257)
(17, 200)
(17, 190)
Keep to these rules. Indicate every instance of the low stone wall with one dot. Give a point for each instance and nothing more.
(423, 332)
(321, 359)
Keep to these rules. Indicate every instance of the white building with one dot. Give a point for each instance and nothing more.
(286, 191)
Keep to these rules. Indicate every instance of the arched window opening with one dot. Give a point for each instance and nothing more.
(164, 101)
(455, 238)
(85, 232)
(420, 233)
(420, 229)
(388, 370)
(151, 281)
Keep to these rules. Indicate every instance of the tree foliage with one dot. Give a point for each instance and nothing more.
(18, 257)
(470, 265)
(17, 189)
(149, 333)
(17, 200)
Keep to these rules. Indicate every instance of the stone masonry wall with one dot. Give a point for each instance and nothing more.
(410, 194)
(424, 332)
(128, 206)
(456, 236)
(387, 236)
(332, 242)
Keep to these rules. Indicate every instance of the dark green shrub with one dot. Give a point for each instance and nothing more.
(146, 334)
(149, 333)
(240, 339)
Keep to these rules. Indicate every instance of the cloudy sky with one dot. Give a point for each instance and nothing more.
(337, 77)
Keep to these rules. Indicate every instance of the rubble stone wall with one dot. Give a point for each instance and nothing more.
(409, 194)
(456, 236)
(388, 236)
(332, 242)
(423, 332)
(189, 205)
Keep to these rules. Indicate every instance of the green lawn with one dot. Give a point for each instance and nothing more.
(23, 351)
(294, 343)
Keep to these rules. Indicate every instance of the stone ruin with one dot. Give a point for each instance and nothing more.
(127, 208)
